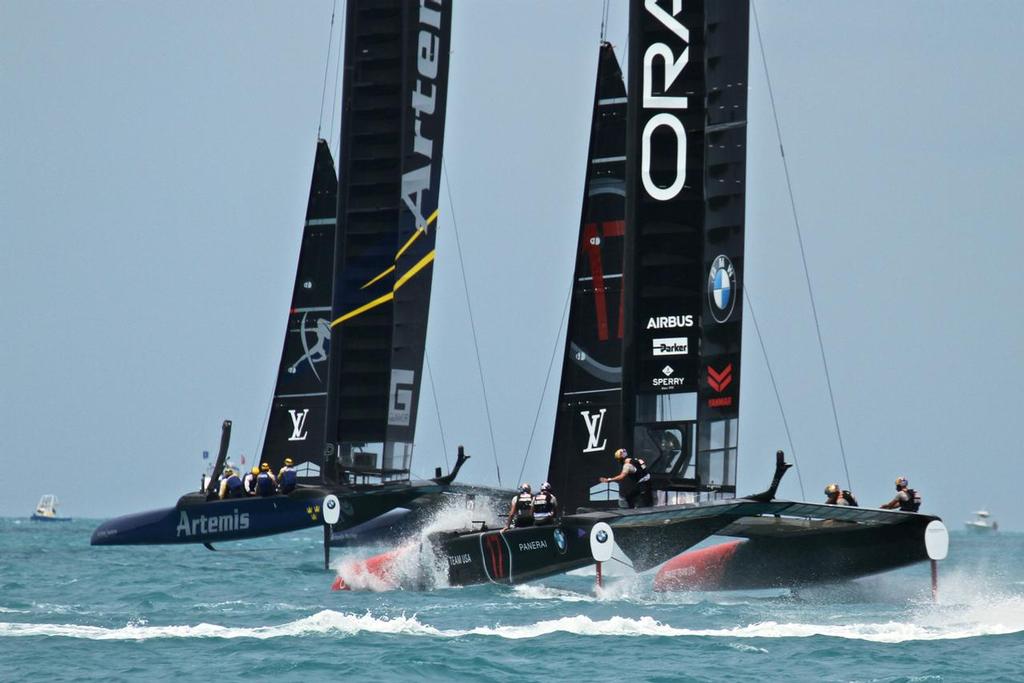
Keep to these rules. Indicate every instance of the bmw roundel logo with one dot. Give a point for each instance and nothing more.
(602, 536)
(722, 291)
(560, 540)
(330, 504)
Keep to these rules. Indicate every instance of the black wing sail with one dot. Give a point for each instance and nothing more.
(684, 249)
(295, 427)
(589, 398)
(393, 99)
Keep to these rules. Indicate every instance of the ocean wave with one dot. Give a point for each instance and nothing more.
(330, 622)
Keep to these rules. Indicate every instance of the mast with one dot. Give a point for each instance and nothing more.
(295, 427)
(393, 109)
(685, 182)
(589, 397)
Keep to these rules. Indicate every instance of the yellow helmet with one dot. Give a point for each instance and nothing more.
(902, 481)
(228, 471)
(621, 454)
(254, 470)
(831, 489)
(288, 462)
(264, 467)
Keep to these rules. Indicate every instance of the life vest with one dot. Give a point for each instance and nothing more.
(913, 501)
(543, 505)
(235, 488)
(850, 500)
(639, 473)
(287, 480)
(524, 509)
(264, 484)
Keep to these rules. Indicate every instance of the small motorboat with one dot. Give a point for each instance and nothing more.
(46, 510)
(982, 523)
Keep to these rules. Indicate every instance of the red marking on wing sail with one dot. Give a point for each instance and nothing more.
(720, 379)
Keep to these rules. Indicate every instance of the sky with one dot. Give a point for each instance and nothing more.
(154, 170)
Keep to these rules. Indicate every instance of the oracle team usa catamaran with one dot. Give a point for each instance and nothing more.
(653, 352)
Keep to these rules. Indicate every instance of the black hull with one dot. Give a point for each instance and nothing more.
(197, 520)
(513, 556)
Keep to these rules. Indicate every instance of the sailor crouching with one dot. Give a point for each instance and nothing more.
(231, 485)
(545, 506)
(521, 512)
(635, 469)
(287, 477)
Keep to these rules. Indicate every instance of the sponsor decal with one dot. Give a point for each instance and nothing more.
(313, 511)
(560, 540)
(664, 322)
(722, 290)
(719, 381)
(602, 536)
(299, 432)
(317, 353)
(662, 65)
(400, 401)
(307, 469)
(214, 524)
(668, 380)
(539, 544)
(424, 102)
(594, 422)
(672, 346)
(456, 560)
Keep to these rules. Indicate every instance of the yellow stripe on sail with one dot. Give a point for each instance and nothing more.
(364, 308)
(408, 243)
(420, 265)
(391, 269)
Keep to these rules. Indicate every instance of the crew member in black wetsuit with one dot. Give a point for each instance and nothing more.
(837, 496)
(545, 506)
(635, 469)
(521, 512)
(286, 477)
(907, 499)
(231, 485)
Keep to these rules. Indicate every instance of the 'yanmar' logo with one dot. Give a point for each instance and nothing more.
(214, 524)
(424, 101)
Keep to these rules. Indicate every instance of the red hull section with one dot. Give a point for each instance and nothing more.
(701, 569)
(380, 572)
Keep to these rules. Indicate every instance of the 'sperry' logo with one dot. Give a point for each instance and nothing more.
(299, 432)
(594, 422)
(720, 379)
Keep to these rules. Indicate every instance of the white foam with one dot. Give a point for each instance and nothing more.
(329, 622)
(532, 591)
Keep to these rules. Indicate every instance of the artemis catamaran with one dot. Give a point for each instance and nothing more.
(345, 404)
(652, 360)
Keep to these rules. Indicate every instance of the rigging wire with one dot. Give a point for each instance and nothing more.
(800, 240)
(472, 323)
(775, 387)
(547, 379)
(437, 410)
(327, 68)
(334, 102)
(604, 21)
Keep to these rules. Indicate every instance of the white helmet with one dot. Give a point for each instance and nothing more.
(545, 486)
(525, 488)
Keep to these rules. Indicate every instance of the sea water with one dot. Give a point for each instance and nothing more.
(263, 609)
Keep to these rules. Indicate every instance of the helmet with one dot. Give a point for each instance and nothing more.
(228, 471)
(621, 454)
(831, 489)
(254, 470)
(289, 462)
(545, 486)
(902, 481)
(525, 488)
(264, 467)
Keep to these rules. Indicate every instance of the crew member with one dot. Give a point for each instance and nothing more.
(521, 513)
(231, 485)
(836, 496)
(545, 506)
(249, 481)
(907, 499)
(266, 484)
(286, 477)
(635, 469)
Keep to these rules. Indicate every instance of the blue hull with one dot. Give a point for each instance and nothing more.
(42, 518)
(197, 520)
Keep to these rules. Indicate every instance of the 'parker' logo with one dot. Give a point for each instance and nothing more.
(594, 424)
(299, 432)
